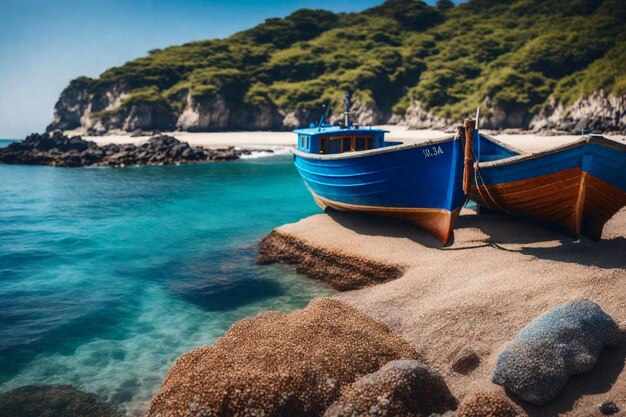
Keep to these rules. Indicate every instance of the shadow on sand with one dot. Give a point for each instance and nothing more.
(372, 225)
(502, 232)
(527, 236)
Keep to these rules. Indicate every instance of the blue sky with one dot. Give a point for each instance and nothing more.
(46, 43)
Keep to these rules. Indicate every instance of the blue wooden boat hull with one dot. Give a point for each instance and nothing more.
(421, 183)
(576, 188)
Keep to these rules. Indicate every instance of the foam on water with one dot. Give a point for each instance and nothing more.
(262, 152)
(108, 275)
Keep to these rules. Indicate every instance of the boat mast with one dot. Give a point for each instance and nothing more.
(346, 114)
(323, 118)
(477, 135)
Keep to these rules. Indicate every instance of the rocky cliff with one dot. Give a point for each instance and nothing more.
(97, 115)
(599, 112)
(529, 64)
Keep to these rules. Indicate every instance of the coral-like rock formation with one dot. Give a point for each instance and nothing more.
(567, 340)
(401, 388)
(279, 365)
(52, 401)
(343, 272)
(465, 361)
(59, 150)
(489, 404)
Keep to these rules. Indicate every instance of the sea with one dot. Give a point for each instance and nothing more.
(108, 275)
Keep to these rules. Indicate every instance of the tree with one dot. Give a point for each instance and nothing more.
(445, 4)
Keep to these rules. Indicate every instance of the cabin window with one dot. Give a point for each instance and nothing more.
(346, 144)
(342, 144)
(324, 145)
(335, 145)
(304, 142)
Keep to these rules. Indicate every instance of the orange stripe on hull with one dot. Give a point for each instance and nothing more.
(571, 200)
(437, 222)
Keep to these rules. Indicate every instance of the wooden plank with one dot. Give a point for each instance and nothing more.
(603, 201)
(551, 198)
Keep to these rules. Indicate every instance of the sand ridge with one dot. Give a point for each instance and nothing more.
(499, 274)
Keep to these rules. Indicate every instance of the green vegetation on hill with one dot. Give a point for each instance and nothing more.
(515, 54)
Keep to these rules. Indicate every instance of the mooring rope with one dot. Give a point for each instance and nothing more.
(478, 186)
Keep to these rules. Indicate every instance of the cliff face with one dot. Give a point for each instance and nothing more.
(529, 64)
(99, 114)
(598, 112)
(72, 106)
(215, 113)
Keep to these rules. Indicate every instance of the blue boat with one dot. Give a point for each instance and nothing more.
(575, 188)
(352, 168)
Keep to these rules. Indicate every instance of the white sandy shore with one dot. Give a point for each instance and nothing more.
(264, 139)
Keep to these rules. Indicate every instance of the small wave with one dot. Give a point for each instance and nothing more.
(265, 152)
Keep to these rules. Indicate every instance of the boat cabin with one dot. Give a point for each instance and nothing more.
(338, 139)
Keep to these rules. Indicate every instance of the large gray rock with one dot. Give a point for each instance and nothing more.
(537, 363)
(401, 388)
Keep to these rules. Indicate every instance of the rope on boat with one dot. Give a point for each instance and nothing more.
(478, 186)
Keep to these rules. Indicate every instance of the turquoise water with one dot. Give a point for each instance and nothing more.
(108, 275)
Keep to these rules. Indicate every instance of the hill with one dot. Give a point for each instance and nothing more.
(553, 64)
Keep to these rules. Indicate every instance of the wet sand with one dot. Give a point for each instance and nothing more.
(499, 274)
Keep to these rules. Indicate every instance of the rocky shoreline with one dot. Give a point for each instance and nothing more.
(341, 271)
(57, 149)
(481, 342)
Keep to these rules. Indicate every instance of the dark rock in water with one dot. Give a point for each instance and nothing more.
(59, 150)
(565, 341)
(465, 361)
(279, 364)
(402, 388)
(52, 401)
(609, 407)
(489, 404)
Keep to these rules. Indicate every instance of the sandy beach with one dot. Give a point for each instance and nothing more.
(499, 274)
(264, 139)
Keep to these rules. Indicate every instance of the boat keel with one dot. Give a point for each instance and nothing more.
(439, 223)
